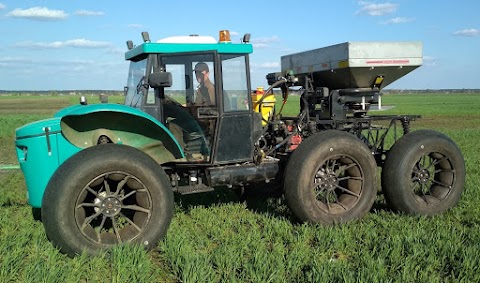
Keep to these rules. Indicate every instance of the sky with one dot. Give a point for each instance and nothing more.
(80, 45)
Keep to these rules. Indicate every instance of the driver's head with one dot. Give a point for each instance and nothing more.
(201, 71)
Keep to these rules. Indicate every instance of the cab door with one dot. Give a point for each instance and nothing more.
(234, 138)
(193, 124)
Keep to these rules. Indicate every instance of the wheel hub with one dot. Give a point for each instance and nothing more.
(423, 176)
(327, 180)
(111, 206)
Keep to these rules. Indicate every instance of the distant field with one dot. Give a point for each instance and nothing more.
(216, 238)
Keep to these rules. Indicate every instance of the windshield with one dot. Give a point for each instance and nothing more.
(135, 79)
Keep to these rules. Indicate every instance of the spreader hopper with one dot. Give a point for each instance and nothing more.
(356, 64)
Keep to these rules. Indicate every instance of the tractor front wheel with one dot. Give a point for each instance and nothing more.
(330, 178)
(104, 196)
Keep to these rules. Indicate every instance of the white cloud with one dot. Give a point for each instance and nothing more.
(266, 40)
(75, 62)
(373, 9)
(13, 60)
(85, 43)
(16, 62)
(260, 45)
(266, 65)
(38, 14)
(136, 26)
(49, 62)
(88, 13)
(116, 51)
(263, 42)
(2, 6)
(55, 62)
(429, 61)
(398, 20)
(467, 32)
(78, 43)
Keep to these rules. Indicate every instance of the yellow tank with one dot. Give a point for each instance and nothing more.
(267, 106)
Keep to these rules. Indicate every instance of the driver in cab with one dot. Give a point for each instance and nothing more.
(205, 92)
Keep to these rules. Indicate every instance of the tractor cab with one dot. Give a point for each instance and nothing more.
(200, 90)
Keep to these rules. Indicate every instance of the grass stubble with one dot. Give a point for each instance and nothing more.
(215, 237)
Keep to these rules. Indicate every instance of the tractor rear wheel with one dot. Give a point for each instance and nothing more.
(104, 196)
(330, 178)
(424, 173)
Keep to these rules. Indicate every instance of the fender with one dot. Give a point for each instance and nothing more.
(84, 126)
(42, 146)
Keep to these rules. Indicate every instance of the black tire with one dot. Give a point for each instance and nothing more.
(330, 178)
(104, 196)
(424, 173)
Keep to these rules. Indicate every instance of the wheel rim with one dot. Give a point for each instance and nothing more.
(338, 184)
(113, 208)
(432, 180)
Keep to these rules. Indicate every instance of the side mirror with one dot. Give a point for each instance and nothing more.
(160, 79)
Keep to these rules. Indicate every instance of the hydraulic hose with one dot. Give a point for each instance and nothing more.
(275, 84)
(259, 102)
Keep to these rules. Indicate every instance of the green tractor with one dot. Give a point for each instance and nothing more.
(100, 175)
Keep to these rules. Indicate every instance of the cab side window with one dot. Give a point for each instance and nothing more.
(235, 88)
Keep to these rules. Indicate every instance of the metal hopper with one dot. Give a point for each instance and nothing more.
(355, 64)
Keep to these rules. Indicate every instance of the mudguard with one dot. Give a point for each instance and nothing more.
(84, 125)
(42, 146)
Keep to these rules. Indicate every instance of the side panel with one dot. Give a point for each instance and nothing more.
(235, 138)
(39, 157)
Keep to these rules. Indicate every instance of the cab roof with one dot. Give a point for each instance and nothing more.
(141, 51)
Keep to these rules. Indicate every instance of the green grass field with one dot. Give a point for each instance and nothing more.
(216, 238)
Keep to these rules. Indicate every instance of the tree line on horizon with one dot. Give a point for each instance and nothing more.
(121, 92)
